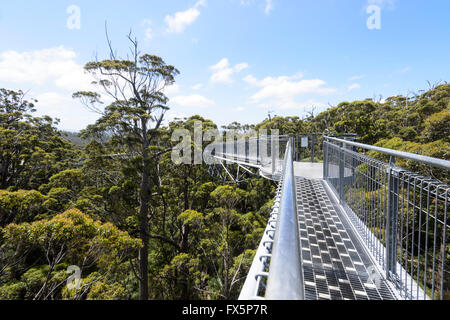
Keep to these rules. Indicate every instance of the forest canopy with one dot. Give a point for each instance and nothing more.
(111, 201)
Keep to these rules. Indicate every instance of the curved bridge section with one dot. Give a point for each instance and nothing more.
(350, 228)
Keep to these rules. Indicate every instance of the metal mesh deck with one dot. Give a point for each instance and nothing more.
(335, 265)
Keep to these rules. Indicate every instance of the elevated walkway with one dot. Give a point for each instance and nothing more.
(309, 170)
(350, 228)
(335, 264)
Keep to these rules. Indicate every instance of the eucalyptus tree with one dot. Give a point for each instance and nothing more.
(31, 148)
(135, 86)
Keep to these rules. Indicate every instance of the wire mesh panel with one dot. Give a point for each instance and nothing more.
(401, 215)
(265, 152)
(422, 230)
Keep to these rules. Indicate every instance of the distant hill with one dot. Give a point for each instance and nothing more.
(74, 138)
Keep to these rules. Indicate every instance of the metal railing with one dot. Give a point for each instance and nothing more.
(276, 269)
(265, 152)
(400, 215)
(308, 146)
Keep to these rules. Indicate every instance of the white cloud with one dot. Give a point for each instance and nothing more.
(241, 66)
(286, 86)
(282, 91)
(173, 115)
(51, 76)
(354, 86)
(55, 66)
(148, 33)
(293, 105)
(146, 24)
(354, 78)
(178, 22)
(246, 2)
(198, 86)
(390, 4)
(223, 72)
(194, 100)
(73, 116)
(52, 100)
(250, 79)
(269, 6)
(222, 64)
(171, 90)
(404, 70)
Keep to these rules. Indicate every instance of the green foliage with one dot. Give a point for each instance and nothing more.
(71, 179)
(438, 149)
(20, 206)
(105, 291)
(437, 127)
(191, 217)
(31, 148)
(15, 290)
(76, 234)
(373, 121)
(285, 125)
(72, 237)
(228, 196)
(202, 233)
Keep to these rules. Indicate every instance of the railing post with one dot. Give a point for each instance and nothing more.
(325, 160)
(313, 142)
(235, 148)
(341, 172)
(295, 148)
(224, 147)
(247, 149)
(392, 220)
(272, 152)
(354, 162)
(257, 149)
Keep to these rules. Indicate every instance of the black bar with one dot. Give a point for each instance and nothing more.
(391, 228)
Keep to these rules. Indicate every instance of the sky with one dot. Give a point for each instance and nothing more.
(239, 60)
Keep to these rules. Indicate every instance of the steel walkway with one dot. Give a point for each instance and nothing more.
(352, 228)
(335, 265)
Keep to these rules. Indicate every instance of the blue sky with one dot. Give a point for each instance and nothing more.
(238, 59)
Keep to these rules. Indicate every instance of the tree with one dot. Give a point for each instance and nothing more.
(20, 206)
(227, 198)
(70, 237)
(32, 148)
(285, 125)
(437, 126)
(136, 87)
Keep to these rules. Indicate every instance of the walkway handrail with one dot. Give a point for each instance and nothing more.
(400, 215)
(285, 281)
(441, 163)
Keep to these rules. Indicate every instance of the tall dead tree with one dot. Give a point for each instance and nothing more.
(135, 86)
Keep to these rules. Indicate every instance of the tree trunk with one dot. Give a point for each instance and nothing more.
(185, 294)
(145, 195)
(4, 178)
(143, 234)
